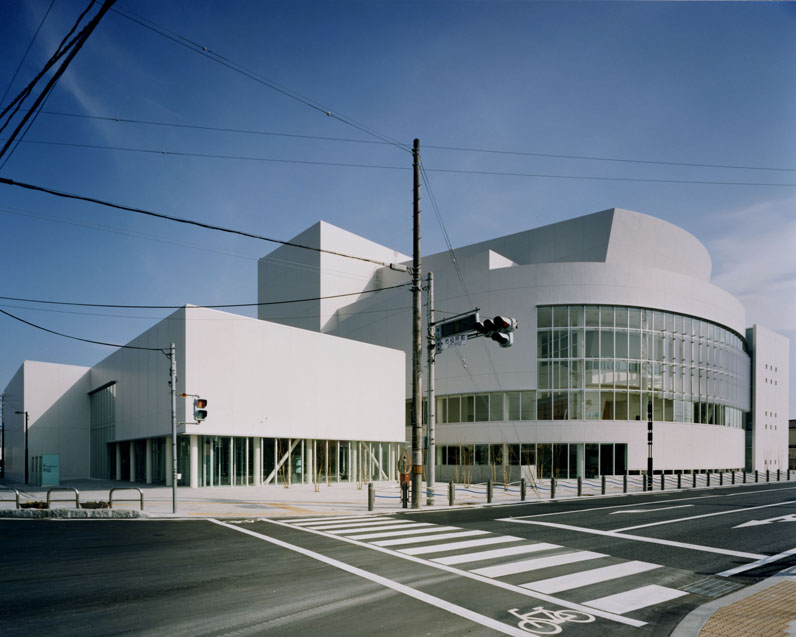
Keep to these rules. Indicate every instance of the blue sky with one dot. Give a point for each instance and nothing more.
(696, 83)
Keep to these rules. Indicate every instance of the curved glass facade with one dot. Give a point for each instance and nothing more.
(598, 362)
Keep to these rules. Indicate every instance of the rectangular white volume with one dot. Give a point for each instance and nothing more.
(586, 578)
(635, 599)
(356, 525)
(383, 527)
(464, 544)
(330, 519)
(540, 562)
(495, 553)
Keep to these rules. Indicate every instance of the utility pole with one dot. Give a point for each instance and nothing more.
(417, 343)
(649, 445)
(3, 435)
(431, 457)
(26, 443)
(173, 392)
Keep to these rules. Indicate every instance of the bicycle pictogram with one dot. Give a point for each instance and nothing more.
(541, 621)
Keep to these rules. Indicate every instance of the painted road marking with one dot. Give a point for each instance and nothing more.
(639, 538)
(347, 525)
(339, 518)
(781, 518)
(429, 538)
(495, 553)
(705, 515)
(373, 536)
(635, 599)
(382, 527)
(453, 546)
(628, 621)
(679, 506)
(762, 562)
(523, 566)
(442, 604)
(593, 576)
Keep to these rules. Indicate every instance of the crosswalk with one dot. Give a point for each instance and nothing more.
(591, 579)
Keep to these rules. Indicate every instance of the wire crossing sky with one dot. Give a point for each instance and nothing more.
(528, 113)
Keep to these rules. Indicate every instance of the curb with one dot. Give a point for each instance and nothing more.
(80, 514)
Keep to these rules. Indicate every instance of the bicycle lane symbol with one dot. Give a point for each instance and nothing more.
(541, 621)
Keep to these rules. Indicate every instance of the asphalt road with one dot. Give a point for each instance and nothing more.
(618, 565)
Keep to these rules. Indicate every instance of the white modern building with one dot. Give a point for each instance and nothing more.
(616, 310)
(284, 405)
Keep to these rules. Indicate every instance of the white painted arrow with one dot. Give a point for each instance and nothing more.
(679, 506)
(781, 518)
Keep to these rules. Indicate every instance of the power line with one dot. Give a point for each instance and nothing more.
(239, 68)
(426, 146)
(192, 222)
(405, 168)
(178, 307)
(78, 338)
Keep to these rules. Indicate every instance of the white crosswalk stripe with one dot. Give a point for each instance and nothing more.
(413, 538)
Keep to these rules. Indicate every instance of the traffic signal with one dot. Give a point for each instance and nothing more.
(199, 409)
(499, 329)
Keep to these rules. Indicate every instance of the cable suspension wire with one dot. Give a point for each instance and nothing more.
(273, 85)
(427, 146)
(165, 153)
(192, 222)
(178, 307)
(78, 338)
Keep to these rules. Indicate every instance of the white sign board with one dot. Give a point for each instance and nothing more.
(457, 340)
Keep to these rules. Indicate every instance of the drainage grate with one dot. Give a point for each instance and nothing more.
(711, 587)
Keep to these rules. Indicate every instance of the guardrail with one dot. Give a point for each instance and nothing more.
(14, 490)
(77, 495)
(490, 491)
(140, 493)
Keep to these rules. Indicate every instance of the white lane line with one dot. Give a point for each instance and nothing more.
(679, 506)
(593, 576)
(453, 546)
(613, 506)
(353, 525)
(383, 527)
(627, 621)
(373, 536)
(429, 538)
(705, 515)
(523, 566)
(763, 562)
(442, 604)
(635, 599)
(488, 555)
(640, 538)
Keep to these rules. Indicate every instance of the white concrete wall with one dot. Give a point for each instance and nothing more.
(56, 399)
(266, 379)
(770, 400)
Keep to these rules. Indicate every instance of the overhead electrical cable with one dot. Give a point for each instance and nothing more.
(239, 68)
(74, 47)
(192, 222)
(25, 55)
(78, 338)
(178, 307)
(425, 146)
(407, 168)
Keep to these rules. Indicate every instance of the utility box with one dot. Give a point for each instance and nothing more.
(47, 470)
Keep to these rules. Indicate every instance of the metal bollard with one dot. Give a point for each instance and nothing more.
(679, 480)
(708, 482)
(777, 475)
(580, 486)
(757, 477)
(552, 488)
(451, 494)
(693, 476)
(602, 486)
(522, 489)
(404, 495)
(663, 481)
(766, 475)
(643, 481)
(488, 491)
(721, 479)
(744, 476)
(624, 483)
(733, 476)
(371, 496)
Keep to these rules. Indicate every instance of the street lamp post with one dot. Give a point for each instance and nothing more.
(26, 443)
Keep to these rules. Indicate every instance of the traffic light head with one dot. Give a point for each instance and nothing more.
(199, 409)
(504, 324)
(504, 340)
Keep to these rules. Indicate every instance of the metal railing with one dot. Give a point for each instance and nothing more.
(77, 495)
(14, 490)
(140, 493)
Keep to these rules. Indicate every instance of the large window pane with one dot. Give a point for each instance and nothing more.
(496, 406)
(544, 317)
(545, 460)
(592, 405)
(592, 461)
(607, 405)
(560, 405)
(544, 405)
(606, 459)
(560, 461)
(468, 408)
(620, 316)
(454, 409)
(576, 374)
(634, 406)
(576, 316)
(634, 345)
(528, 405)
(592, 344)
(621, 344)
(576, 405)
(592, 374)
(513, 400)
(592, 316)
(560, 317)
(543, 378)
(620, 406)
(606, 344)
(543, 345)
(634, 318)
(607, 316)
(576, 343)
(482, 407)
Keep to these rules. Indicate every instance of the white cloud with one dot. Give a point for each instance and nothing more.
(754, 258)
